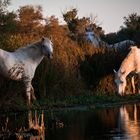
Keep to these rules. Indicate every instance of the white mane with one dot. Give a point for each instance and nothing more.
(29, 48)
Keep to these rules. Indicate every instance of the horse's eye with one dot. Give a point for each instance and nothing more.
(43, 46)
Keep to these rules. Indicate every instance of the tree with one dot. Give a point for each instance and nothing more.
(30, 18)
(7, 19)
(131, 30)
(75, 24)
(132, 21)
(8, 23)
(3, 5)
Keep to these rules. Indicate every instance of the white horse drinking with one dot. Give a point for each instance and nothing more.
(131, 64)
(22, 63)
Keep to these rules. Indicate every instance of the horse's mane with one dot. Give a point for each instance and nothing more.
(30, 47)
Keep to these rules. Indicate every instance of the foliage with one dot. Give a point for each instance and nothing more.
(132, 21)
(76, 68)
(7, 19)
(30, 18)
(3, 5)
(77, 25)
(130, 30)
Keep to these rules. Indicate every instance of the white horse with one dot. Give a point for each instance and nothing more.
(22, 63)
(131, 64)
(91, 37)
(97, 42)
(122, 44)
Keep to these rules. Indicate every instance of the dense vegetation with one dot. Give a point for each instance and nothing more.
(78, 68)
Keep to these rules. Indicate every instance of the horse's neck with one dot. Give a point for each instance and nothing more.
(128, 65)
(122, 73)
(3, 54)
(121, 44)
(95, 41)
(99, 42)
(103, 43)
(33, 54)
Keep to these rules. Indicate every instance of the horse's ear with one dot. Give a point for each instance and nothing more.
(43, 38)
(114, 71)
(50, 37)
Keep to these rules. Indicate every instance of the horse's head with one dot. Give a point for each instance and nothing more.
(47, 47)
(91, 37)
(120, 82)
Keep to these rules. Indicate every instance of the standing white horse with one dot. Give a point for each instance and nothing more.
(131, 64)
(22, 63)
(97, 42)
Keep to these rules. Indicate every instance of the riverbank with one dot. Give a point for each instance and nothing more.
(72, 101)
(89, 100)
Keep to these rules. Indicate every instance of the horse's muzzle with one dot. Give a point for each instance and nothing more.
(50, 56)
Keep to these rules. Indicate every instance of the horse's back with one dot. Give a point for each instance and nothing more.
(134, 57)
(6, 61)
(136, 52)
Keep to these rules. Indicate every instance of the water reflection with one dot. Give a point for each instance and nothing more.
(130, 121)
(31, 127)
(99, 124)
(74, 124)
(36, 126)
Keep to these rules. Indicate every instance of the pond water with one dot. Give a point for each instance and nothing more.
(116, 123)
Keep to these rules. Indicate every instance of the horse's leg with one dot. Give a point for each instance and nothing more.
(139, 83)
(133, 84)
(32, 93)
(28, 87)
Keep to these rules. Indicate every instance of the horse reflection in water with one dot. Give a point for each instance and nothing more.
(129, 120)
(32, 129)
(36, 126)
(131, 64)
(35, 130)
(22, 63)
